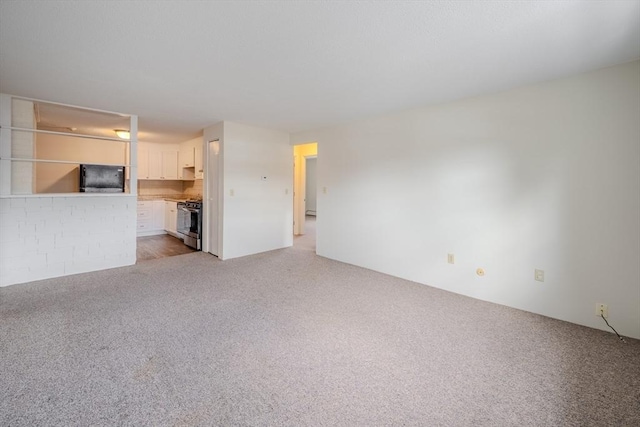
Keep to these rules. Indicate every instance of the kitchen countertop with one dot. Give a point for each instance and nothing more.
(170, 198)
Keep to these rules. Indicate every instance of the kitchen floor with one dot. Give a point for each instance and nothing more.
(152, 247)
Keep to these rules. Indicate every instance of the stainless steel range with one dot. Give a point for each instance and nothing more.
(190, 223)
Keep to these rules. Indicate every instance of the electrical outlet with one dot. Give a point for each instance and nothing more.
(539, 275)
(451, 259)
(602, 309)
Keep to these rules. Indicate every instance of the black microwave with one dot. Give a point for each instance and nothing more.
(101, 179)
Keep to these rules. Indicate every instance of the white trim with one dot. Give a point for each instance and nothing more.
(68, 105)
(44, 195)
(79, 135)
(66, 162)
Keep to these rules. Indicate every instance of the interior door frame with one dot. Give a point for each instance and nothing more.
(300, 182)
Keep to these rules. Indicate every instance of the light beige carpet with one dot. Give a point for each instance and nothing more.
(287, 338)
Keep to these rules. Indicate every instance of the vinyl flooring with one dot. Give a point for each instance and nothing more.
(153, 247)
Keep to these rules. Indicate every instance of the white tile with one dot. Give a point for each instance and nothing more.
(45, 242)
(62, 241)
(34, 260)
(81, 249)
(9, 232)
(47, 271)
(12, 214)
(61, 202)
(38, 203)
(60, 255)
(5, 205)
(14, 277)
(89, 256)
(86, 265)
(50, 236)
(18, 202)
(35, 215)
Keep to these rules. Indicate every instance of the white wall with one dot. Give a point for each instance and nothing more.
(257, 214)
(545, 176)
(310, 182)
(45, 237)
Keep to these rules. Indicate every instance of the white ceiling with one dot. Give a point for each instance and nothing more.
(184, 65)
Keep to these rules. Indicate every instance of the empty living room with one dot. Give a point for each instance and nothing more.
(473, 260)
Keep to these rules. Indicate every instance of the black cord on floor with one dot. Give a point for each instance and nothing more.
(605, 321)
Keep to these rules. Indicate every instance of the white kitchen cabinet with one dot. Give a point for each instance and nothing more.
(187, 155)
(190, 161)
(158, 215)
(169, 164)
(143, 162)
(144, 222)
(171, 217)
(186, 174)
(199, 170)
(150, 218)
(157, 161)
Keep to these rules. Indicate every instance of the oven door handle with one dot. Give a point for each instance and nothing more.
(189, 210)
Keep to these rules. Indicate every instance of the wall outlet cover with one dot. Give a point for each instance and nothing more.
(602, 309)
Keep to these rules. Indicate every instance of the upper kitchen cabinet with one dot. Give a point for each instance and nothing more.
(190, 161)
(157, 161)
(199, 170)
(143, 162)
(169, 164)
(187, 158)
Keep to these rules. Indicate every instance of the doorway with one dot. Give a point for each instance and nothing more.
(305, 206)
(310, 193)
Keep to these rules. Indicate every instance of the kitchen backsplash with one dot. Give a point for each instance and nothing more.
(147, 188)
(192, 188)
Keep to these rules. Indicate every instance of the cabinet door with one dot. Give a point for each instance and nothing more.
(169, 165)
(170, 217)
(198, 162)
(186, 155)
(174, 219)
(143, 163)
(145, 217)
(158, 214)
(155, 164)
